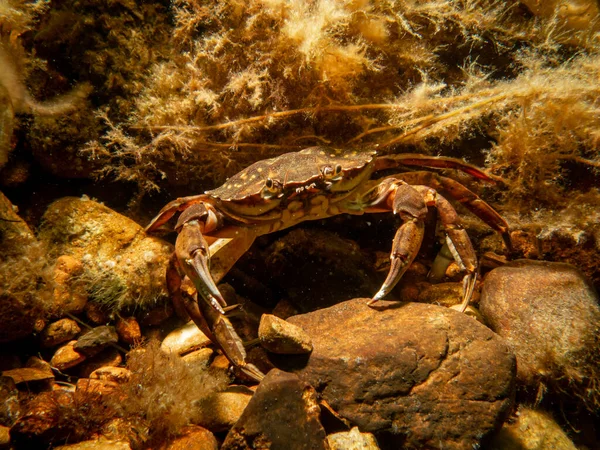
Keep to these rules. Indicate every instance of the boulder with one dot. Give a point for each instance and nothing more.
(549, 314)
(416, 375)
(282, 414)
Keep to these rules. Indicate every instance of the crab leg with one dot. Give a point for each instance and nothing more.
(464, 196)
(408, 203)
(213, 324)
(437, 162)
(457, 240)
(173, 207)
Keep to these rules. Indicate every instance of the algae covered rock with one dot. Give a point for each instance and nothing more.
(550, 316)
(24, 276)
(416, 375)
(531, 430)
(123, 267)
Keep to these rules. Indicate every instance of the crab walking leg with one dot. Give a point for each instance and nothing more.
(213, 324)
(457, 240)
(407, 202)
(464, 196)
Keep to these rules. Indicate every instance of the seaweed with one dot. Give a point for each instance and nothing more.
(402, 76)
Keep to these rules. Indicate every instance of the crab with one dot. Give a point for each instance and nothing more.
(314, 183)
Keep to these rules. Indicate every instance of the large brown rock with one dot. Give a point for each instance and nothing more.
(417, 375)
(123, 268)
(282, 414)
(549, 314)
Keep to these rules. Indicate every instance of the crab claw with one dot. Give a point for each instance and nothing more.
(404, 249)
(192, 251)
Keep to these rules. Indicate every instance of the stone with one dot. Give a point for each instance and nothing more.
(123, 267)
(38, 363)
(58, 332)
(96, 313)
(279, 336)
(96, 340)
(443, 294)
(109, 357)
(96, 444)
(19, 314)
(415, 375)
(352, 440)
(41, 424)
(550, 316)
(531, 430)
(200, 357)
(22, 267)
(221, 410)
(66, 357)
(128, 330)
(185, 339)
(283, 413)
(194, 438)
(68, 296)
(88, 388)
(10, 408)
(4, 437)
(33, 377)
(111, 373)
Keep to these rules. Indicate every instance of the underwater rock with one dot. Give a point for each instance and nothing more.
(184, 339)
(4, 437)
(69, 296)
(221, 410)
(108, 357)
(413, 374)
(96, 444)
(443, 294)
(352, 440)
(532, 430)
(19, 315)
(41, 424)
(199, 357)
(22, 272)
(66, 357)
(111, 373)
(10, 408)
(58, 332)
(194, 438)
(283, 413)
(128, 330)
(7, 116)
(96, 340)
(279, 336)
(34, 378)
(123, 268)
(550, 315)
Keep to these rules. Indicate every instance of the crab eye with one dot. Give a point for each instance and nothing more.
(327, 171)
(272, 189)
(332, 173)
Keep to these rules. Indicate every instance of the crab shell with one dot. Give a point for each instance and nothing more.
(272, 183)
